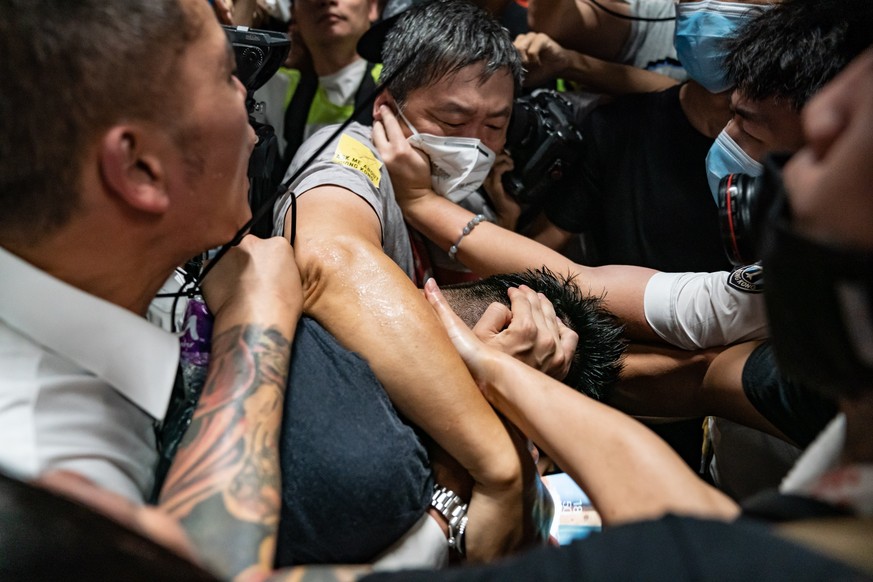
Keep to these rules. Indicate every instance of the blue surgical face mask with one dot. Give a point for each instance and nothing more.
(701, 29)
(727, 157)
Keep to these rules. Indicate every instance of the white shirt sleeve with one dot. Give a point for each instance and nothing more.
(702, 310)
(423, 546)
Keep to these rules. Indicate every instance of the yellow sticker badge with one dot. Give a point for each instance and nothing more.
(352, 153)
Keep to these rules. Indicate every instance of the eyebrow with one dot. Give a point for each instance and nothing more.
(460, 108)
(746, 113)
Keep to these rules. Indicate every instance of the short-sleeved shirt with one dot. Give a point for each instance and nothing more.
(703, 310)
(351, 161)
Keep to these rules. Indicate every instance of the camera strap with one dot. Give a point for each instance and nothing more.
(267, 205)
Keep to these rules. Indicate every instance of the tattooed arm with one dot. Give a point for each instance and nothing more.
(223, 486)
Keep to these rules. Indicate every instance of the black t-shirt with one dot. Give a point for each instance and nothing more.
(672, 549)
(355, 477)
(643, 196)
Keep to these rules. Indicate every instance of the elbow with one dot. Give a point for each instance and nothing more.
(322, 262)
(506, 475)
(505, 469)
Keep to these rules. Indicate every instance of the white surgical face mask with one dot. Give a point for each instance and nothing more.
(727, 157)
(458, 165)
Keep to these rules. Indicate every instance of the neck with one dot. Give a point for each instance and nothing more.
(464, 304)
(859, 418)
(707, 112)
(113, 272)
(329, 62)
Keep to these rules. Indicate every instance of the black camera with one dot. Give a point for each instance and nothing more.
(746, 206)
(543, 139)
(259, 54)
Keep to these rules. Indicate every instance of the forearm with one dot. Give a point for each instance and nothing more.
(627, 471)
(599, 76)
(724, 391)
(489, 249)
(538, 508)
(243, 12)
(224, 484)
(663, 381)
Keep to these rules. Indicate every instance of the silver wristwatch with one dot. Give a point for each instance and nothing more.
(454, 509)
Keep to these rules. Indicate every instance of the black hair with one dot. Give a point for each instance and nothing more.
(442, 37)
(793, 49)
(597, 362)
(70, 70)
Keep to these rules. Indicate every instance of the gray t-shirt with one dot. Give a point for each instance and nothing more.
(351, 162)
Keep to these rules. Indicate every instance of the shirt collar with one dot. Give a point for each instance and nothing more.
(340, 87)
(133, 356)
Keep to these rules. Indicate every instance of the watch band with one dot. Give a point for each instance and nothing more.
(454, 509)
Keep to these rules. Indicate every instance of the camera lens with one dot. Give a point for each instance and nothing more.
(747, 205)
(736, 196)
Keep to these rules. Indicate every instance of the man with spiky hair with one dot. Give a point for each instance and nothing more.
(596, 363)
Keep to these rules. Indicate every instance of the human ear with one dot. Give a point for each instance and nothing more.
(383, 98)
(131, 171)
(374, 11)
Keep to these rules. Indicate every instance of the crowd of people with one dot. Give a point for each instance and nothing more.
(393, 370)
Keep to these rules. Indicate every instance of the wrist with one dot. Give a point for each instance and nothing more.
(490, 376)
(417, 198)
(578, 67)
(504, 373)
(453, 511)
(269, 310)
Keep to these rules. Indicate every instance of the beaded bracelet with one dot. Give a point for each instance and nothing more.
(474, 222)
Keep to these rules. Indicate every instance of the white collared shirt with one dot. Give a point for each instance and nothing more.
(82, 382)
